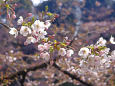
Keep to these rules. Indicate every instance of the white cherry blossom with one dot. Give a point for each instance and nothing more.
(62, 52)
(47, 24)
(113, 53)
(46, 46)
(42, 34)
(103, 61)
(25, 30)
(13, 31)
(69, 53)
(30, 40)
(41, 47)
(38, 25)
(112, 40)
(45, 56)
(20, 20)
(84, 52)
(104, 52)
(101, 42)
(11, 59)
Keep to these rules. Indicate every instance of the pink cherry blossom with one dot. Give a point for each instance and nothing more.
(45, 56)
(41, 47)
(46, 46)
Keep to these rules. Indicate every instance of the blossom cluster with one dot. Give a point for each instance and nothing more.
(63, 52)
(10, 5)
(10, 59)
(95, 60)
(36, 33)
(98, 49)
(94, 64)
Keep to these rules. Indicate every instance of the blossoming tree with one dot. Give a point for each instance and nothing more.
(94, 63)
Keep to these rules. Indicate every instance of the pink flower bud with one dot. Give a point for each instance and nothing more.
(67, 43)
(13, 16)
(29, 14)
(56, 15)
(15, 5)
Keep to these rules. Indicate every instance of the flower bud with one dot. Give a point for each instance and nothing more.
(56, 15)
(15, 5)
(13, 16)
(29, 14)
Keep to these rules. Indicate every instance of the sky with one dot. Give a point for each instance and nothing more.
(37, 2)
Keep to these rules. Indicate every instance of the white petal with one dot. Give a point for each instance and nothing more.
(112, 40)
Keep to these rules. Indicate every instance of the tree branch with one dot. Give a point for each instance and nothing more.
(24, 71)
(71, 75)
(4, 25)
(23, 78)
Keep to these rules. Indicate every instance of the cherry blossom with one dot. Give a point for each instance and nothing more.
(69, 53)
(45, 56)
(47, 24)
(84, 52)
(41, 47)
(41, 34)
(13, 31)
(38, 25)
(20, 20)
(30, 40)
(25, 30)
(113, 53)
(101, 42)
(46, 46)
(62, 52)
(11, 59)
(112, 40)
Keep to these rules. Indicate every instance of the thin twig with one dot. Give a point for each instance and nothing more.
(5, 25)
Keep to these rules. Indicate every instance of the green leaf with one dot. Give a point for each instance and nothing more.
(24, 24)
(49, 14)
(29, 23)
(51, 49)
(46, 8)
(7, 6)
(33, 19)
(63, 44)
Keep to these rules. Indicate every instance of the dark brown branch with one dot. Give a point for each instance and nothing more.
(23, 78)
(44, 65)
(71, 75)
(23, 71)
(4, 25)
